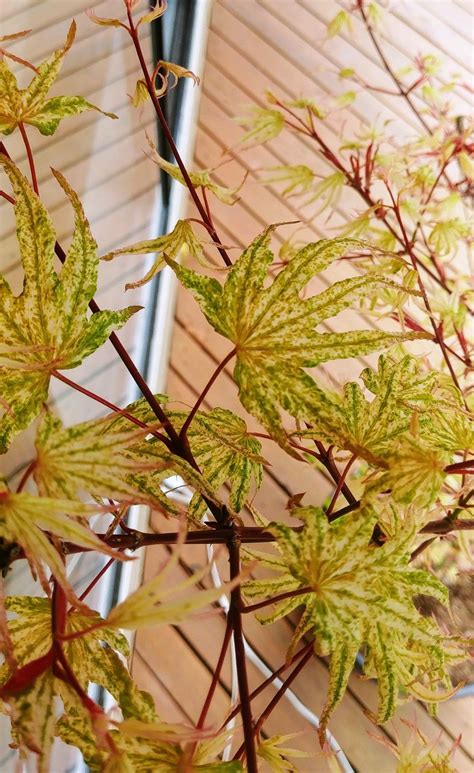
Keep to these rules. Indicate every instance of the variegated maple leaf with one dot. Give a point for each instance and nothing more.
(408, 428)
(272, 328)
(370, 428)
(356, 596)
(225, 453)
(28, 520)
(144, 747)
(31, 105)
(111, 458)
(171, 244)
(46, 327)
(94, 658)
(86, 457)
(220, 443)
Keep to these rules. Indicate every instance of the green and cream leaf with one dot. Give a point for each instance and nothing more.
(182, 235)
(47, 323)
(31, 105)
(28, 520)
(272, 327)
(361, 597)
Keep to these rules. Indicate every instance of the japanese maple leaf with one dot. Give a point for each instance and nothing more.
(273, 328)
(46, 327)
(28, 521)
(94, 658)
(355, 594)
(143, 747)
(31, 105)
(371, 428)
(109, 458)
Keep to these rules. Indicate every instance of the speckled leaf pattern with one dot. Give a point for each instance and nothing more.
(93, 657)
(272, 327)
(372, 427)
(224, 450)
(86, 457)
(225, 453)
(31, 105)
(361, 597)
(33, 718)
(47, 324)
(25, 518)
(138, 754)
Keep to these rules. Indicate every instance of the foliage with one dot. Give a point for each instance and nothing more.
(397, 443)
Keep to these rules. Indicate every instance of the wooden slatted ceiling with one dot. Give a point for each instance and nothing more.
(254, 46)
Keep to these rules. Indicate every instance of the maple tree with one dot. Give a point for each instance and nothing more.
(403, 432)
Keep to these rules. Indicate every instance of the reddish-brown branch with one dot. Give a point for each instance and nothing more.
(340, 484)
(102, 400)
(197, 404)
(240, 659)
(284, 666)
(426, 301)
(96, 579)
(216, 674)
(7, 197)
(403, 92)
(284, 687)
(465, 466)
(327, 460)
(170, 140)
(31, 161)
(29, 470)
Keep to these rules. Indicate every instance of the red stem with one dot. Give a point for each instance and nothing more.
(281, 597)
(108, 404)
(421, 285)
(389, 70)
(218, 370)
(460, 467)
(170, 140)
(240, 660)
(31, 161)
(7, 197)
(96, 579)
(286, 684)
(269, 680)
(340, 484)
(216, 674)
(26, 475)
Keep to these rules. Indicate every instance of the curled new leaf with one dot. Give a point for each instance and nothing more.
(51, 311)
(171, 244)
(30, 105)
(201, 179)
(159, 9)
